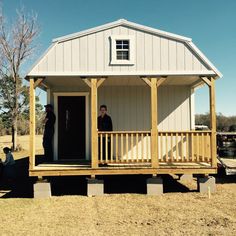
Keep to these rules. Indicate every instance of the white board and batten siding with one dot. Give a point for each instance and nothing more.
(129, 107)
(131, 110)
(90, 54)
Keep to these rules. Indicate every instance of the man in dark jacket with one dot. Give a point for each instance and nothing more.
(104, 120)
(48, 132)
(104, 124)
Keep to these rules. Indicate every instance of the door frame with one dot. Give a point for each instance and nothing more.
(71, 94)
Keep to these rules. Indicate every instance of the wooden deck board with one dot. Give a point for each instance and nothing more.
(79, 168)
(122, 165)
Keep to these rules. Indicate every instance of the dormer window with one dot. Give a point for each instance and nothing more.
(122, 50)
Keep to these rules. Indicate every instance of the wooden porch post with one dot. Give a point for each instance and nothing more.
(32, 125)
(213, 122)
(154, 83)
(154, 134)
(94, 132)
(211, 85)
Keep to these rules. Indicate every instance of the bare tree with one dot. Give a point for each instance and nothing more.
(16, 45)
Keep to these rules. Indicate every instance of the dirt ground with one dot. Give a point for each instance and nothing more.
(123, 210)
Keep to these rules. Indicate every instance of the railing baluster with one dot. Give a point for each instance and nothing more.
(137, 158)
(111, 148)
(192, 146)
(127, 147)
(208, 147)
(106, 146)
(177, 146)
(197, 137)
(182, 147)
(147, 149)
(132, 147)
(171, 147)
(101, 144)
(167, 148)
(122, 147)
(117, 147)
(142, 147)
(203, 147)
(161, 143)
(187, 147)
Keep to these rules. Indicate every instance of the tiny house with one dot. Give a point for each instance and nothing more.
(147, 78)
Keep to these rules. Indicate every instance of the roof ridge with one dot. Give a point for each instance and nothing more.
(118, 23)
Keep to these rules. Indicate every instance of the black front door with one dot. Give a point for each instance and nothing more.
(71, 127)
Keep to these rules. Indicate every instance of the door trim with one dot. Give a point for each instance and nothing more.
(72, 94)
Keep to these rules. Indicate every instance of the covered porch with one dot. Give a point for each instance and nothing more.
(154, 150)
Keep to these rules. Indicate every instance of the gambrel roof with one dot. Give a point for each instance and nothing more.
(87, 53)
(121, 22)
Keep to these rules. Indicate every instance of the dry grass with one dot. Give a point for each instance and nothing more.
(124, 214)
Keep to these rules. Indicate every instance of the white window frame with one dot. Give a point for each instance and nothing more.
(114, 60)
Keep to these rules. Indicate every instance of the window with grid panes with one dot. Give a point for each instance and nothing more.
(122, 49)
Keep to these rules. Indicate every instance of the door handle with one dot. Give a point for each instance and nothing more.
(67, 119)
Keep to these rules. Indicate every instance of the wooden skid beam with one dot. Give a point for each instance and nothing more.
(32, 125)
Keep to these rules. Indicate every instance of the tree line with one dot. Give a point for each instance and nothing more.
(22, 121)
(223, 123)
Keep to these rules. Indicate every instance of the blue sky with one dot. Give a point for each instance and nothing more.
(210, 23)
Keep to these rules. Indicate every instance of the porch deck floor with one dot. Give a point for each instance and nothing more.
(66, 168)
(87, 165)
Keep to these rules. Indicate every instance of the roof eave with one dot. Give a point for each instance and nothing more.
(218, 74)
(39, 59)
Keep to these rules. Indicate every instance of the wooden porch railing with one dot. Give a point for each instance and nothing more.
(173, 146)
(187, 146)
(124, 146)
